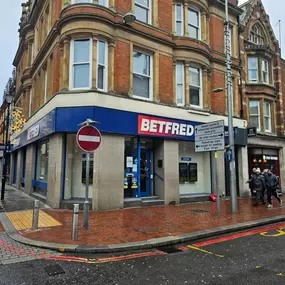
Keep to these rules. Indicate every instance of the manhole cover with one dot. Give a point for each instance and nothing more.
(199, 211)
(169, 249)
(54, 270)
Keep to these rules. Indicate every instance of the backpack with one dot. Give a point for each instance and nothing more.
(271, 182)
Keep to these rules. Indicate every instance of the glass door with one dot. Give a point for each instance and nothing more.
(146, 173)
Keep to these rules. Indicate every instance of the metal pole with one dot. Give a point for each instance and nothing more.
(86, 203)
(5, 166)
(75, 222)
(231, 148)
(217, 183)
(36, 215)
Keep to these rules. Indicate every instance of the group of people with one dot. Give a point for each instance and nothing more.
(260, 182)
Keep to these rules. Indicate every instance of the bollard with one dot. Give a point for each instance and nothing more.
(36, 214)
(75, 222)
(86, 215)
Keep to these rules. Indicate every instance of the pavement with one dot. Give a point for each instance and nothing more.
(131, 229)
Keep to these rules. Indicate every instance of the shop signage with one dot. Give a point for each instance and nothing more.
(186, 158)
(210, 137)
(148, 125)
(33, 132)
(88, 138)
(16, 142)
(268, 157)
(251, 132)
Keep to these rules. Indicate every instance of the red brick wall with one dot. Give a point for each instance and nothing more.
(218, 99)
(56, 9)
(165, 15)
(282, 65)
(123, 6)
(217, 34)
(122, 68)
(165, 79)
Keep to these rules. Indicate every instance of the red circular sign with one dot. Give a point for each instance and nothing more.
(88, 138)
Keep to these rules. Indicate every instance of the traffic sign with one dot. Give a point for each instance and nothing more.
(88, 138)
(210, 137)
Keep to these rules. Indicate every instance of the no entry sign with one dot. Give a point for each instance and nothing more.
(88, 138)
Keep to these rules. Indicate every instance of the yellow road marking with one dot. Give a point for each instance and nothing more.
(280, 233)
(23, 220)
(205, 251)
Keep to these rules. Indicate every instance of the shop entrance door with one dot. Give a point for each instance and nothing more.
(146, 173)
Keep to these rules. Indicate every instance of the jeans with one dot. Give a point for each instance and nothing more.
(259, 197)
(270, 193)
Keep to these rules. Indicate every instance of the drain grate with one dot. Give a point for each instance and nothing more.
(54, 270)
(169, 249)
(199, 211)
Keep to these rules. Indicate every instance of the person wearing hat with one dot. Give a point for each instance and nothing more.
(258, 183)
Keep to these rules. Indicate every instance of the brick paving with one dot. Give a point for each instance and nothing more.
(139, 224)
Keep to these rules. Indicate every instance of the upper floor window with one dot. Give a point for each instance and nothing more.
(179, 29)
(194, 23)
(143, 10)
(101, 2)
(257, 35)
(180, 84)
(254, 114)
(267, 117)
(102, 65)
(142, 75)
(81, 56)
(195, 86)
(252, 69)
(265, 76)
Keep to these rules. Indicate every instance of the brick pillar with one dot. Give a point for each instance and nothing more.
(187, 78)
(30, 168)
(111, 66)
(205, 89)
(65, 66)
(156, 77)
(186, 19)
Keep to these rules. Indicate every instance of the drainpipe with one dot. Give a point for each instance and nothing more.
(240, 71)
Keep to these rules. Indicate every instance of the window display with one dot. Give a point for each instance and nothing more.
(42, 161)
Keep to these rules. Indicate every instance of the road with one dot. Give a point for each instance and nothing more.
(252, 257)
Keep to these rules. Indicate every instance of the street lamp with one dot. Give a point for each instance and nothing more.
(8, 99)
(230, 147)
(129, 18)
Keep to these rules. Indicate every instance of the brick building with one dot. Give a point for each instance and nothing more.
(148, 83)
(262, 89)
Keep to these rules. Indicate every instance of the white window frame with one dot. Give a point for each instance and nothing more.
(81, 1)
(181, 20)
(150, 76)
(265, 72)
(250, 80)
(182, 83)
(200, 87)
(267, 117)
(105, 74)
(147, 8)
(71, 74)
(45, 85)
(199, 18)
(255, 115)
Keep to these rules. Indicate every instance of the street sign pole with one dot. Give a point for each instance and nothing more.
(217, 183)
(86, 203)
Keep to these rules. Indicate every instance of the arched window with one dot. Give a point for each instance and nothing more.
(257, 35)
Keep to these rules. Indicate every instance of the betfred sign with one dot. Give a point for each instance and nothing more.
(154, 126)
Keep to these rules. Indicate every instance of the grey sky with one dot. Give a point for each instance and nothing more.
(10, 18)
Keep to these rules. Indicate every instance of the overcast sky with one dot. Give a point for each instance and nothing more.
(11, 13)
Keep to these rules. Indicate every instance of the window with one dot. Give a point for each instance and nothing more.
(142, 75)
(256, 35)
(265, 76)
(194, 23)
(254, 111)
(180, 84)
(252, 69)
(81, 1)
(179, 30)
(104, 3)
(102, 66)
(143, 10)
(195, 87)
(42, 161)
(81, 51)
(267, 117)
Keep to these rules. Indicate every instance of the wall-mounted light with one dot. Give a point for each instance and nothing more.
(129, 18)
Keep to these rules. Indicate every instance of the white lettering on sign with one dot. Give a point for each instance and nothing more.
(16, 142)
(33, 132)
(155, 126)
(270, 157)
(84, 138)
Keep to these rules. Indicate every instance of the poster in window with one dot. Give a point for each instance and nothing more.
(193, 172)
(183, 172)
(83, 177)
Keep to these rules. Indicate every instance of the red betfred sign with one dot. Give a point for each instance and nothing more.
(88, 138)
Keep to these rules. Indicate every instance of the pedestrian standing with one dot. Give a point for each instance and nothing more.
(258, 183)
(271, 186)
(250, 183)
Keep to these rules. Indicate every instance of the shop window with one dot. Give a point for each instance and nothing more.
(81, 55)
(265, 76)
(142, 75)
(180, 84)
(179, 29)
(83, 172)
(254, 110)
(143, 10)
(267, 117)
(102, 66)
(194, 23)
(42, 162)
(252, 69)
(188, 172)
(195, 87)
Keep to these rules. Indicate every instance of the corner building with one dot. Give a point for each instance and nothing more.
(148, 83)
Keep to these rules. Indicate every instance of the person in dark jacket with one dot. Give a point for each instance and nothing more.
(271, 186)
(258, 183)
(250, 184)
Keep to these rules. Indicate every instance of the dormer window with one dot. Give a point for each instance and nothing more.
(257, 35)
